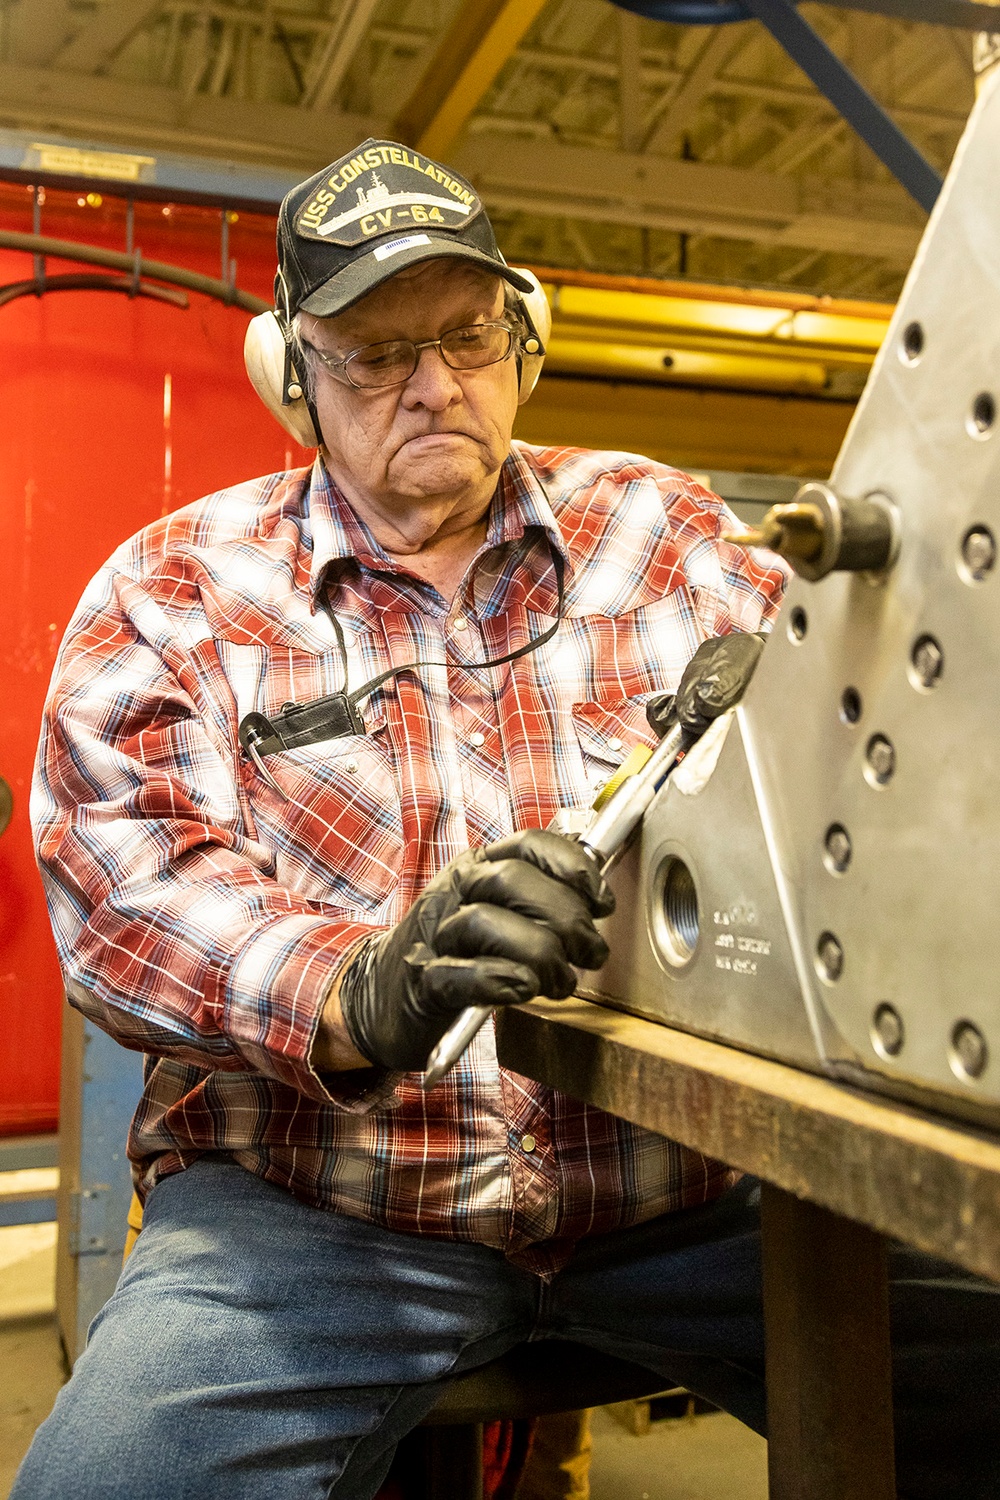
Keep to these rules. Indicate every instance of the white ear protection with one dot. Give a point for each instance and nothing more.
(536, 312)
(267, 354)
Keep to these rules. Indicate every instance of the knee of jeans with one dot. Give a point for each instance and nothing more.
(94, 1448)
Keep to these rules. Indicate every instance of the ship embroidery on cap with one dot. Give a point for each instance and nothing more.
(394, 189)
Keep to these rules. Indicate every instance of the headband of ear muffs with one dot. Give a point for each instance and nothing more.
(268, 349)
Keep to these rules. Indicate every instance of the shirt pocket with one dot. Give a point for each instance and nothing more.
(607, 733)
(336, 829)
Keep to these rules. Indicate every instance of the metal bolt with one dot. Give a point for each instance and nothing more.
(831, 957)
(969, 1052)
(979, 551)
(838, 848)
(887, 1025)
(928, 661)
(881, 758)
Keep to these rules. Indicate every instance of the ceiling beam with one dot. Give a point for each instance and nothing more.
(336, 53)
(39, 29)
(542, 177)
(149, 117)
(97, 41)
(483, 35)
(720, 48)
(630, 130)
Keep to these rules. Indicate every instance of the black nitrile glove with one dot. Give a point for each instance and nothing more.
(498, 925)
(714, 681)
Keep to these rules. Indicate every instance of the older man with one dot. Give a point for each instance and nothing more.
(300, 740)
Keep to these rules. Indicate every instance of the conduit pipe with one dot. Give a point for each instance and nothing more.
(117, 260)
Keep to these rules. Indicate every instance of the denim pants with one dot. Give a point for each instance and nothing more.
(259, 1349)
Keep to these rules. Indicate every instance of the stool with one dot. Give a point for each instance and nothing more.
(444, 1455)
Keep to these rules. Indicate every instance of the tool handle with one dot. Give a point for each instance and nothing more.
(605, 838)
(454, 1042)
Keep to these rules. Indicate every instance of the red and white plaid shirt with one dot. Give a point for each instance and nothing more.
(199, 915)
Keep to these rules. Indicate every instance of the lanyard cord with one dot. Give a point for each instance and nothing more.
(365, 691)
(336, 714)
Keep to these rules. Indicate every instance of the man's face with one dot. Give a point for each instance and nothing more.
(444, 433)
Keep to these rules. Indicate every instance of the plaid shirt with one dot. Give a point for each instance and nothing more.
(200, 916)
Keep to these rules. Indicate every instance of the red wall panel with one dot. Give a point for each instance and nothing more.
(112, 411)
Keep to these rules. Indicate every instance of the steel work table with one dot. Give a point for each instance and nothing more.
(841, 1171)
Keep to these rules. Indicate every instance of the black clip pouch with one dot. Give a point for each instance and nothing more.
(301, 724)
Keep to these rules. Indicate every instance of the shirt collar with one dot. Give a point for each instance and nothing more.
(338, 533)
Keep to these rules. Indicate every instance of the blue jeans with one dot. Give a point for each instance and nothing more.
(259, 1349)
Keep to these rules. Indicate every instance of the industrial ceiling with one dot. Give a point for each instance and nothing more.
(598, 139)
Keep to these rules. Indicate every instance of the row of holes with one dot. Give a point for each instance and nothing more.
(981, 418)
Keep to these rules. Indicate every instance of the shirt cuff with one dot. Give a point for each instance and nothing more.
(274, 997)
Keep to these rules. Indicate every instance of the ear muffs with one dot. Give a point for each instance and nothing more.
(538, 315)
(267, 356)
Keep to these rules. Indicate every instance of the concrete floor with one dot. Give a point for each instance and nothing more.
(31, 1366)
(698, 1458)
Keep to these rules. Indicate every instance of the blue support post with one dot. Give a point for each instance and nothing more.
(101, 1086)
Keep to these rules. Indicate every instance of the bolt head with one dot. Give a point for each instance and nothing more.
(979, 552)
(928, 661)
(888, 1027)
(831, 957)
(969, 1052)
(881, 757)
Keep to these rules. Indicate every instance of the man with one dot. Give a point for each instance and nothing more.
(285, 907)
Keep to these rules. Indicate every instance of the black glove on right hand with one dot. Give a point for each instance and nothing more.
(497, 926)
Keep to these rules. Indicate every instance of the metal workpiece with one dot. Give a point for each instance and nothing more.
(699, 938)
(828, 893)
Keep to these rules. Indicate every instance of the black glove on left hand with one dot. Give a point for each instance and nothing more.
(714, 681)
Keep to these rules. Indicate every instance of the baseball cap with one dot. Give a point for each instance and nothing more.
(377, 210)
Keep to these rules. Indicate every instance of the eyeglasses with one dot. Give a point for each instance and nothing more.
(392, 363)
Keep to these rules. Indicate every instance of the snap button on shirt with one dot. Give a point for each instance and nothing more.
(477, 739)
(461, 623)
(527, 1143)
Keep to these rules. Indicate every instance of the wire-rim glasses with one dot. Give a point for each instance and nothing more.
(373, 366)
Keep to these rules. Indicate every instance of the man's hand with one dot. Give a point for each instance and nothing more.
(498, 926)
(714, 681)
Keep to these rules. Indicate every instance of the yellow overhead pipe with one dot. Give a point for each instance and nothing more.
(827, 329)
(634, 362)
(632, 329)
(481, 38)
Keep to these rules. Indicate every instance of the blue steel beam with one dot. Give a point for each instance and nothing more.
(967, 15)
(831, 76)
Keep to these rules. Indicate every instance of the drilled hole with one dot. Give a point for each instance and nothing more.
(887, 1032)
(837, 849)
(676, 911)
(850, 705)
(912, 345)
(798, 624)
(982, 416)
